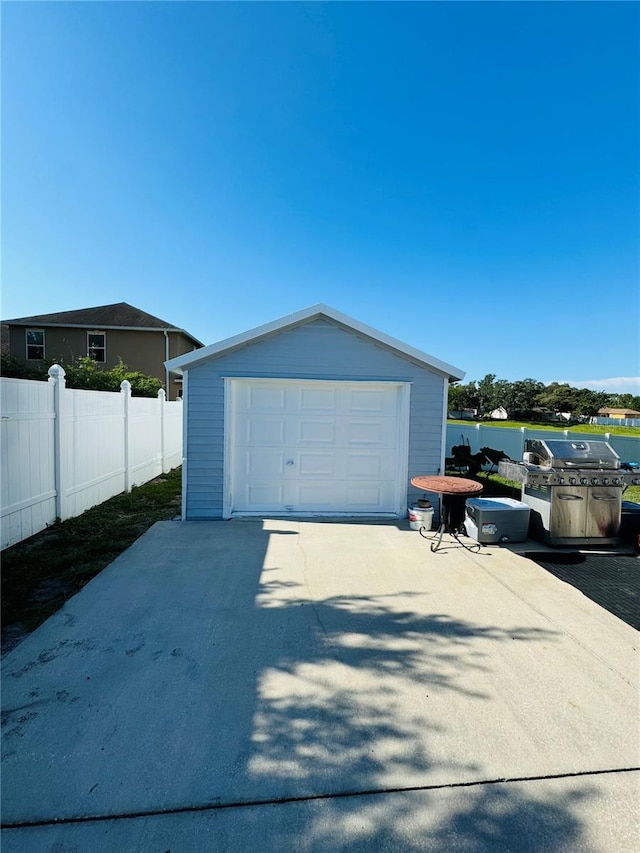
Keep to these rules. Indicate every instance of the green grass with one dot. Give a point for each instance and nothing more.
(496, 486)
(595, 429)
(41, 573)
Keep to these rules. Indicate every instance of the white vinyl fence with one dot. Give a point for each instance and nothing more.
(627, 422)
(511, 440)
(65, 450)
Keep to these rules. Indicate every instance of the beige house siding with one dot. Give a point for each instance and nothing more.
(618, 414)
(143, 351)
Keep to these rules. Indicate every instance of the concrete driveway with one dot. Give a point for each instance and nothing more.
(309, 686)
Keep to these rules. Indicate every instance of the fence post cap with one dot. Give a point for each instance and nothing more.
(56, 371)
(162, 394)
(125, 386)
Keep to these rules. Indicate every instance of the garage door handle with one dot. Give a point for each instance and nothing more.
(289, 461)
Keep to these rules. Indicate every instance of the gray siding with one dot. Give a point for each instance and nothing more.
(317, 350)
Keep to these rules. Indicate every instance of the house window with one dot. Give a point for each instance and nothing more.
(97, 346)
(35, 344)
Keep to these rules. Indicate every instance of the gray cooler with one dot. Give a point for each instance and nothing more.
(494, 520)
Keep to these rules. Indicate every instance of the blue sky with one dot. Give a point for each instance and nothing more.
(462, 176)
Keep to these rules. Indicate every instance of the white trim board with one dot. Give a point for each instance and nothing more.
(185, 444)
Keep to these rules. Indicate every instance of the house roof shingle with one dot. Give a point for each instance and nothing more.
(119, 314)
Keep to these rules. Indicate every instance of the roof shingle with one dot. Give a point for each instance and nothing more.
(118, 314)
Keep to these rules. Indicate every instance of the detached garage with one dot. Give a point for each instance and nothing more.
(313, 414)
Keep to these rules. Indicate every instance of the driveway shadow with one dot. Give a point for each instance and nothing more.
(198, 672)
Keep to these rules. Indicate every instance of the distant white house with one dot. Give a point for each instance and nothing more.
(499, 414)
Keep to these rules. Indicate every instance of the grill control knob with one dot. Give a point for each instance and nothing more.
(584, 481)
(636, 481)
(573, 481)
(616, 481)
(605, 481)
(560, 480)
(594, 481)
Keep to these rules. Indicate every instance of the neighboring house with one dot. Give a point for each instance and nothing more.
(499, 414)
(105, 333)
(312, 414)
(618, 414)
(542, 413)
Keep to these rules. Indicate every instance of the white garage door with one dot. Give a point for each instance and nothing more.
(316, 447)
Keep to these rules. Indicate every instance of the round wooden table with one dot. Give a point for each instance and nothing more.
(454, 492)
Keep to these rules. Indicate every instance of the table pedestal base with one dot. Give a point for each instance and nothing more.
(437, 536)
(451, 519)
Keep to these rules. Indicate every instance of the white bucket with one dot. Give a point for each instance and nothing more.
(420, 516)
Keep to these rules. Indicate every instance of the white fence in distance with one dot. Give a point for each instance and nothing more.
(627, 422)
(511, 439)
(65, 450)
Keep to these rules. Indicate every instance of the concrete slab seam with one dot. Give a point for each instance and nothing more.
(276, 801)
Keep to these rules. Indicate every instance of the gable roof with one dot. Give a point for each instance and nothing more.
(119, 315)
(307, 315)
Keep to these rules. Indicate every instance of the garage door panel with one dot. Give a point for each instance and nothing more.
(264, 463)
(265, 496)
(378, 433)
(263, 430)
(313, 497)
(372, 498)
(315, 465)
(370, 401)
(314, 431)
(342, 464)
(264, 398)
(372, 465)
(353, 497)
(342, 431)
(302, 447)
(317, 399)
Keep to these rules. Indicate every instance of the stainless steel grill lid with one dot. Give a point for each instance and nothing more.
(565, 453)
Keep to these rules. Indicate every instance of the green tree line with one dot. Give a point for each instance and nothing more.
(84, 373)
(524, 399)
